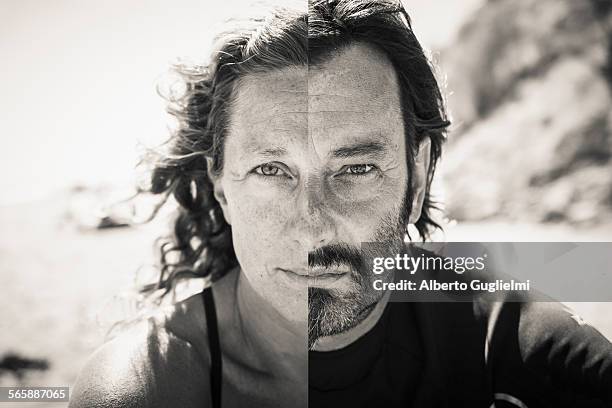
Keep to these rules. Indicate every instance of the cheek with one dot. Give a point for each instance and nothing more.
(255, 212)
(363, 217)
(257, 224)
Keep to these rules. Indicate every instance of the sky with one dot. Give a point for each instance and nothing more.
(78, 98)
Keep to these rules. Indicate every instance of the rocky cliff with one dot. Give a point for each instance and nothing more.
(530, 86)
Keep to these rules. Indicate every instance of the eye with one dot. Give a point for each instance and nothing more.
(358, 169)
(269, 170)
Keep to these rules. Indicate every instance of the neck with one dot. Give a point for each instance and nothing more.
(280, 342)
(341, 340)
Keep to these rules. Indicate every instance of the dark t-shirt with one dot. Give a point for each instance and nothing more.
(381, 369)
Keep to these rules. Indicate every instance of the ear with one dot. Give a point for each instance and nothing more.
(218, 191)
(419, 179)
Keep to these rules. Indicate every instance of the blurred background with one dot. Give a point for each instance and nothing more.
(528, 158)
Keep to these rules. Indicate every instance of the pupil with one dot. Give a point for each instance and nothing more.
(268, 169)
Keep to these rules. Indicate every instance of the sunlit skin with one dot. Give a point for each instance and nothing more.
(313, 156)
(311, 159)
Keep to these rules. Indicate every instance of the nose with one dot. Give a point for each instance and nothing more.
(313, 225)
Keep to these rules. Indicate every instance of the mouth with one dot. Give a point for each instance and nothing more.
(316, 277)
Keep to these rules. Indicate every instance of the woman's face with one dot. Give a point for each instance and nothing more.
(314, 156)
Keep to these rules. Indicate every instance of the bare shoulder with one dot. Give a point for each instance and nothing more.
(187, 319)
(149, 365)
(163, 361)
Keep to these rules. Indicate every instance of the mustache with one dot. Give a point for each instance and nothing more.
(336, 255)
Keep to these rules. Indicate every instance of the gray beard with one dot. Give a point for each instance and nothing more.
(332, 312)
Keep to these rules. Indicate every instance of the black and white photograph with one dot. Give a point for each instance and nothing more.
(306, 203)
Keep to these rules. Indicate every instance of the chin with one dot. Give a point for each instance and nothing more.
(296, 316)
(292, 304)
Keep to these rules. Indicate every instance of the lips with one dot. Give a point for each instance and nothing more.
(316, 277)
(317, 272)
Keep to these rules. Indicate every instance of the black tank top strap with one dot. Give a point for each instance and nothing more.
(214, 348)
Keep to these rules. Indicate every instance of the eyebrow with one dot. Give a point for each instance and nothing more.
(360, 149)
(365, 148)
(268, 151)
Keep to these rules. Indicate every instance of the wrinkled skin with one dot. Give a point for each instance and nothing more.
(316, 156)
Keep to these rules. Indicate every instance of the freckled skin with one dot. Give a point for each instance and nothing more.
(296, 118)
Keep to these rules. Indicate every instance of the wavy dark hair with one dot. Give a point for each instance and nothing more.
(201, 241)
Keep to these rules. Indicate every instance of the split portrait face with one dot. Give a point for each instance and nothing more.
(315, 163)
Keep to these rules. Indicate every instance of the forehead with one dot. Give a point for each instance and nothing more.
(353, 92)
(355, 74)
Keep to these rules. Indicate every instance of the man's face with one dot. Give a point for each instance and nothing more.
(315, 158)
